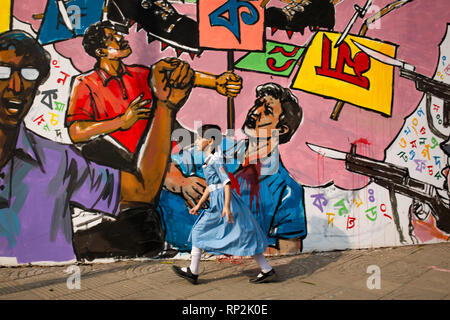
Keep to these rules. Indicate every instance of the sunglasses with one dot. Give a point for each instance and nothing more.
(28, 73)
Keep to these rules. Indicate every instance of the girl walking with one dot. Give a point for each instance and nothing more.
(227, 226)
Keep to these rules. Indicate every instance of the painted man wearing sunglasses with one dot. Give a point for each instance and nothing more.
(40, 179)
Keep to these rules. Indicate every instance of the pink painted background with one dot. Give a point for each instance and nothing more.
(417, 28)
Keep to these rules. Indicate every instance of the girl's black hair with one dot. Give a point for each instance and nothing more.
(208, 131)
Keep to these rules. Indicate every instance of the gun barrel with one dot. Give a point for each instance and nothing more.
(425, 84)
(374, 168)
(397, 180)
(390, 176)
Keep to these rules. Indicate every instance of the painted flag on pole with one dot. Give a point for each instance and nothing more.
(231, 24)
(279, 59)
(81, 14)
(5, 15)
(346, 73)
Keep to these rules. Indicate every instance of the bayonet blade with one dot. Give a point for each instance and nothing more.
(347, 29)
(384, 58)
(361, 12)
(327, 152)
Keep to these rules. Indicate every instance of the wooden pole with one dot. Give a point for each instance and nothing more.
(230, 101)
(264, 3)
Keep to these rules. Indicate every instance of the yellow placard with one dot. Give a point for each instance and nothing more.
(5, 15)
(346, 73)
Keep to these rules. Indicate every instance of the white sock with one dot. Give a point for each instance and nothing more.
(262, 262)
(196, 255)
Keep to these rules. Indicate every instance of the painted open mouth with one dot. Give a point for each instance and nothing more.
(250, 122)
(265, 124)
(13, 106)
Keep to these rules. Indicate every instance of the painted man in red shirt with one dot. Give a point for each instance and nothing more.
(114, 99)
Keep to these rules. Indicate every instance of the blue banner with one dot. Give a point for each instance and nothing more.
(80, 13)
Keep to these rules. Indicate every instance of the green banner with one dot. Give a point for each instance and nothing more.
(279, 59)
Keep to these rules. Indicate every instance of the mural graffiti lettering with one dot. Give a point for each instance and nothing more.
(360, 64)
(117, 143)
(232, 8)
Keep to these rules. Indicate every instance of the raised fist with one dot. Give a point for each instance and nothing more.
(172, 81)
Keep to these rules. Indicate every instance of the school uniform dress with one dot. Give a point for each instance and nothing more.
(275, 199)
(212, 232)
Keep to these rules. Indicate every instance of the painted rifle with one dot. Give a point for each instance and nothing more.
(431, 87)
(397, 180)
(423, 83)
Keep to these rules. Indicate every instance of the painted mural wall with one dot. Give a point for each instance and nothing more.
(334, 117)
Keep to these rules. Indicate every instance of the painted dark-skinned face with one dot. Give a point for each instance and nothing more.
(16, 93)
(116, 46)
(263, 118)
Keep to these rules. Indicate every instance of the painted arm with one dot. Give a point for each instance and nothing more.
(83, 131)
(172, 81)
(180, 177)
(228, 84)
(191, 188)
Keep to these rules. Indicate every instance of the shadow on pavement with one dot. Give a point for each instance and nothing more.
(304, 264)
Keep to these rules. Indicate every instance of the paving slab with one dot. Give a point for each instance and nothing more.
(347, 293)
(120, 289)
(411, 272)
(409, 292)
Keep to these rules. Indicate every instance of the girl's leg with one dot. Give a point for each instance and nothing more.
(196, 255)
(267, 273)
(262, 262)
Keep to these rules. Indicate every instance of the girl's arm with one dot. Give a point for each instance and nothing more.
(226, 208)
(204, 197)
(202, 200)
(227, 196)
(221, 171)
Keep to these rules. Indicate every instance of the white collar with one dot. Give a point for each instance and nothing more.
(210, 158)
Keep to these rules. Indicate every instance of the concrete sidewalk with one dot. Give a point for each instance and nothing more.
(409, 272)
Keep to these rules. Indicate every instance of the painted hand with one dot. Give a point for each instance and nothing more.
(192, 190)
(172, 81)
(229, 84)
(136, 110)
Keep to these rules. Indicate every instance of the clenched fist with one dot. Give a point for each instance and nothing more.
(229, 84)
(172, 81)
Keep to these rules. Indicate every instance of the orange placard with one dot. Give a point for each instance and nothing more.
(231, 24)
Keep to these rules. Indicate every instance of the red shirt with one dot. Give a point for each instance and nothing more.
(98, 96)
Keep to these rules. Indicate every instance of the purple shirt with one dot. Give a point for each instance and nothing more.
(37, 186)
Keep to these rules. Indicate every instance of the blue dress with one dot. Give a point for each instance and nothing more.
(275, 199)
(212, 232)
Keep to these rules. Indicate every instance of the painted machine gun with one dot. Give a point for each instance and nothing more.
(397, 180)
